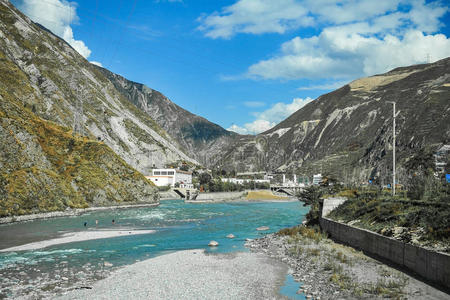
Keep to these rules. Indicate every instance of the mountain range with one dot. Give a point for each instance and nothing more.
(59, 112)
(348, 133)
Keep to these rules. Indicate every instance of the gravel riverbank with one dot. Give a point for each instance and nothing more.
(79, 236)
(69, 213)
(333, 271)
(191, 274)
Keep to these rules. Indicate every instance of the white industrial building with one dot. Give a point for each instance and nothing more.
(164, 177)
(242, 181)
(317, 179)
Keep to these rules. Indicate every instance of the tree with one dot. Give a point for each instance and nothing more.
(204, 178)
(311, 196)
(184, 167)
(420, 170)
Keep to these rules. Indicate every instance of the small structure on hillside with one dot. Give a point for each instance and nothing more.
(441, 157)
(172, 177)
(317, 179)
(242, 181)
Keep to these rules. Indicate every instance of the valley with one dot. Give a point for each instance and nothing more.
(102, 176)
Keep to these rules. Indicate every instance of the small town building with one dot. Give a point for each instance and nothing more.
(317, 179)
(242, 181)
(441, 157)
(172, 177)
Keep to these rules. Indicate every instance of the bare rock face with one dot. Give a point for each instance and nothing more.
(59, 85)
(200, 138)
(348, 133)
(59, 120)
(45, 168)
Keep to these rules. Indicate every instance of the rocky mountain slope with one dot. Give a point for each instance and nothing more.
(59, 85)
(200, 138)
(43, 167)
(348, 132)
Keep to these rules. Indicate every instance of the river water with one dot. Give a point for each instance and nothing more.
(178, 226)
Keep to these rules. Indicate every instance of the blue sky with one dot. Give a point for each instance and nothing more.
(248, 64)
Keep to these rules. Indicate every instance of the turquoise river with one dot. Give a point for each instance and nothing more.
(178, 226)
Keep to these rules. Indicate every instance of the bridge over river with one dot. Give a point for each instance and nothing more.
(288, 189)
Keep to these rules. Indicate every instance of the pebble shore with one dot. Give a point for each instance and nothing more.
(191, 274)
(77, 237)
(328, 270)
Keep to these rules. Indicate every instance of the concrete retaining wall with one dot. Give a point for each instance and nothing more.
(434, 266)
(331, 203)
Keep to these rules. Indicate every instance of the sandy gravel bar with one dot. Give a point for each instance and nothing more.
(77, 237)
(192, 274)
(69, 212)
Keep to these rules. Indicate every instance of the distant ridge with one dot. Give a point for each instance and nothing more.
(200, 138)
(348, 132)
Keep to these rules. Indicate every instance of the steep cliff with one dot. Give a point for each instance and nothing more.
(348, 132)
(200, 138)
(43, 167)
(61, 86)
(59, 119)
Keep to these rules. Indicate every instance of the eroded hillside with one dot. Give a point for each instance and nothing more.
(61, 86)
(348, 132)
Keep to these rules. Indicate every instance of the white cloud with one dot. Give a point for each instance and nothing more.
(268, 16)
(356, 37)
(96, 63)
(256, 17)
(254, 103)
(270, 117)
(338, 53)
(254, 127)
(334, 12)
(57, 16)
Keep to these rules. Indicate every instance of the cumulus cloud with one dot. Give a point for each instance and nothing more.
(355, 38)
(270, 117)
(254, 127)
(364, 47)
(96, 63)
(268, 16)
(337, 54)
(57, 16)
(256, 17)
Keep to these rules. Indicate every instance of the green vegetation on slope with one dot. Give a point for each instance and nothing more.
(419, 213)
(426, 221)
(43, 167)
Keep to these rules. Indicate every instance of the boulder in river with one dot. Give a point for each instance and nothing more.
(213, 244)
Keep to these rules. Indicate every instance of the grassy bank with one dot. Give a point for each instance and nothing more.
(422, 222)
(343, 269)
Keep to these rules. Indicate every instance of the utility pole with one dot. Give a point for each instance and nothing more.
(393, 150)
